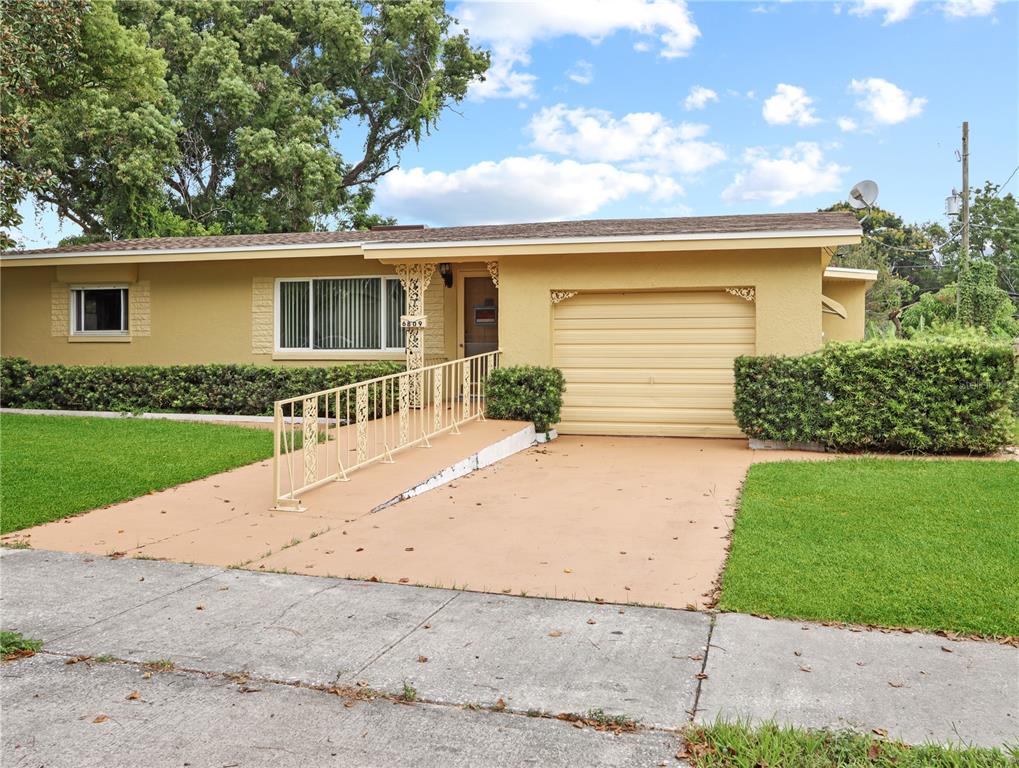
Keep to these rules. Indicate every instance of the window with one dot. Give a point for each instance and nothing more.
(340, 313)
(99, 310)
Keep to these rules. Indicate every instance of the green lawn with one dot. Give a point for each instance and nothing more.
(890, 542)
(55, 466)
(725, 745)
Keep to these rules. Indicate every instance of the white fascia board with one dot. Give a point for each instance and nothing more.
(815, 233)
(140, 252)
(851, 273)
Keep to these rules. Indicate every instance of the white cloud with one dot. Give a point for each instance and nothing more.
(894, 10)
(886, 102)
(503, 81)
(847, 124)
(511, 27)
(640, 140)
(514, 189)
(582, 72)
(699, 97)
(797, 171)
(963, 8)
(790, 104)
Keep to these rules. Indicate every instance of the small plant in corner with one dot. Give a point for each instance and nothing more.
(408, 694)
(159, 665)
(13, 645)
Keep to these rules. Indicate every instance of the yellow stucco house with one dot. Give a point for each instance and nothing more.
(644, 316)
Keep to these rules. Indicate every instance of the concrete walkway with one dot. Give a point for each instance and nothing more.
(258, 656)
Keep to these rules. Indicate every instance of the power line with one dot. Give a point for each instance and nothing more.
(1001, 186)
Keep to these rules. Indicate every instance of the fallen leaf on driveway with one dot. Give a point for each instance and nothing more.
(422, 659)
(408, 549)
(805, 669)
(499, 705)
(101, 719)
(133, 696)
(555, 633)
(591, 621)
(567, 570)
(701, 676)
(404, 580)
(947, 650)
(880, 731)
(895, 685)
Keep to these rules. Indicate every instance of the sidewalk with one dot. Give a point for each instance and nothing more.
(273, 635)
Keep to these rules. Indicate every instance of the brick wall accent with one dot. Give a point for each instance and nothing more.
(139, 297)
(262, 294)
(60, 309)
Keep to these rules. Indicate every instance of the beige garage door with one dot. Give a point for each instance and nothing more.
(656, 363)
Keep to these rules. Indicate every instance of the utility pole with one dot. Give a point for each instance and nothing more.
(965, 197)
(964, 314)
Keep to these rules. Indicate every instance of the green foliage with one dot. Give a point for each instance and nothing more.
(889, 249)
(994, 237)
(741, 745)
(212, 116)
(227, 389)
(779, 398)
(932, 395)
(13, 644)
(55, 466)
(39, 40)
(987, 307)
(102, 128)
(526, 393)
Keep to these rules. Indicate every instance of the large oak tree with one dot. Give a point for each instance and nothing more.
(226, 115)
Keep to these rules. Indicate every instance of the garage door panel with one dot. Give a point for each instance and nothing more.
(657, 363)
(646, 392)
(644, 336)
(653, 429)
(648, 356)
(651, 310)
(581, 377)
(614, 323)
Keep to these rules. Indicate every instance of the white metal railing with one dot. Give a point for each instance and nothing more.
(323, 436)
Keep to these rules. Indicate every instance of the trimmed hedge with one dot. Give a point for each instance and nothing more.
(928, 396)
(246, 390)
(525, 393)
(780, 398)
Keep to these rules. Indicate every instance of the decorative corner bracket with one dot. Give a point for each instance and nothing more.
(747, 294)
(493, 270)
(558, 296)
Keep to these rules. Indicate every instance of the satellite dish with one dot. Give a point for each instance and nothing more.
(863, 195)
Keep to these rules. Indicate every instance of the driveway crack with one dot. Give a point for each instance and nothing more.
(702, 676)
(404, 636)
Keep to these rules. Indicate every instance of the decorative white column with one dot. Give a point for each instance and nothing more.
(415, 279)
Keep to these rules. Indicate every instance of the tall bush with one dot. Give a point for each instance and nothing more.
(935, 395)
(247, 390)
(526, 393)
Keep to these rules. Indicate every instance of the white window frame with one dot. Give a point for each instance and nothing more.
(311, 349)
(77, 307)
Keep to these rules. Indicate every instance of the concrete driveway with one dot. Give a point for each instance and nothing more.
(615, 519)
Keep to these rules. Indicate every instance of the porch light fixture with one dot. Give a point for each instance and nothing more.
(446, 272)
(953, 203)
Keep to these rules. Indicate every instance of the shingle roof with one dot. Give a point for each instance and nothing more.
(591, 228)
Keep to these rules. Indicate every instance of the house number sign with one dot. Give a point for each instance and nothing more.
(413, 321)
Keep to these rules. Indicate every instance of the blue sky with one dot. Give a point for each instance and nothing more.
(663, 108)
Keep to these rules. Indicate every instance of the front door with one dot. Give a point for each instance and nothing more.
(480, 315)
